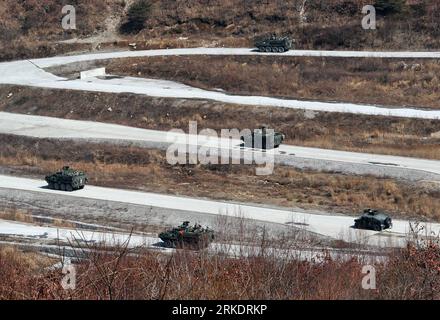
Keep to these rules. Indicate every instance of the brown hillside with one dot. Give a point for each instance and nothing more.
(29, 28)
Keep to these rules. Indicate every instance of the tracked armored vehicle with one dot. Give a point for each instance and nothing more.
(274, 44)
(373, 220)
(186, 236)
(263, 139)
(67, 180)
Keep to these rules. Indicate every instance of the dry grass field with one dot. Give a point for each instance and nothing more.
(366, 81)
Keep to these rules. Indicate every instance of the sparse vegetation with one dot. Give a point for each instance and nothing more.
(15, 214)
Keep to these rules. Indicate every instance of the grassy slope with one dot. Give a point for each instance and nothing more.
(368, 81)
(31, 28)
(27, 28)
(327, 24)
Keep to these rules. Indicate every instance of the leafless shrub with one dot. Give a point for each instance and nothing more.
(123, 273)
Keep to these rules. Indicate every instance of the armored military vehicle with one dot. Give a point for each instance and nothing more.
(273, 43)
(263, 139)
(186, 236)
(373, 220)
(67, 180)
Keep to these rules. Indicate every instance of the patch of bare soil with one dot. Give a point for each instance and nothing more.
(380, 135)
(148, 170)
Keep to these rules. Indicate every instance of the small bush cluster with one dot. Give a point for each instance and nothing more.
(387, 7)
(137, 16)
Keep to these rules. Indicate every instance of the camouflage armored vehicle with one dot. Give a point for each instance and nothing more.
(273, 44)
(186, 236)
(263, 139)
(67, 180)
(373, 220)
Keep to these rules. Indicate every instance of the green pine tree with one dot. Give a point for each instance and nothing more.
(386, 7)
(137, 16)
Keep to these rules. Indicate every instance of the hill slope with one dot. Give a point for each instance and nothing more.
(30, 28)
